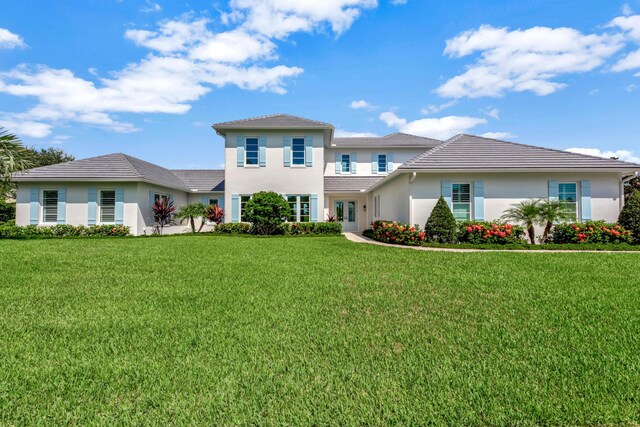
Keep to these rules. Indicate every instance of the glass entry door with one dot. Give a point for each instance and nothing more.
(347, 214)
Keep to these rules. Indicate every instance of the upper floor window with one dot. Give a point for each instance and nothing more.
(49, 206)
(382, 163)
(346, 163)
(251, 151)
(568, 195)
(243, 202)
(107, 206)
(461, 200)
(297, 151)
(299, 208)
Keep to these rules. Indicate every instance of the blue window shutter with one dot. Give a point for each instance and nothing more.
(374, 163)
(554, 194)
(354, 162)
(34, 205)
(286, 141)
(152, 201)
(314, 208)
(92, 203)
(445, 191)
(235, 207)
(478, 200)
(338, 163)
(308, 150)
(205, 200)
(585, 199)
(240, 145)
(262, 151)
(221, 202)
(62, 205)
(120, 205)
(389, 162)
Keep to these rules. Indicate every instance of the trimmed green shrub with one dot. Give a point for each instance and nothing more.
(630, 216)
(297, 228)
(266, 211)
(589, 232)
(441, 226)
(489, 233)
(232, 228)
(63, 230)
(393, 232)
(327, 228)
(7, 210)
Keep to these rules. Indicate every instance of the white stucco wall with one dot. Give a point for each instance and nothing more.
(394, 200)
(363, 157)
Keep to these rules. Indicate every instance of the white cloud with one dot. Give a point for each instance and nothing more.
(59, 139)
(498, 135)
(432, 108)
(629, 62)
(9, 40)
(630, 25)
(524, 60)
(631, 88)
(23, 128)
(441, 128)
(625, 155)
(492, 112)
(362, 104)
(341, 133)
(150, 6)
(626, 10)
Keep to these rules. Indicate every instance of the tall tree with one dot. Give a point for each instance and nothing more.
(14, 157)
(631, 186)
(49, 156)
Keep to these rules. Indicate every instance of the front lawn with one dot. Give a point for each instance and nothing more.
(224, 330)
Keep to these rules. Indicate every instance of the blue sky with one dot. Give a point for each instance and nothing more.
(148, 78)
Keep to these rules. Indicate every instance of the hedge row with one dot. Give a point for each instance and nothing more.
(394, 232)
(590, 232)
(296, 228)
(478, 232)
(62, 230)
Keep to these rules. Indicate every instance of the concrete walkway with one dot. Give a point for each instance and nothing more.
(359, 238)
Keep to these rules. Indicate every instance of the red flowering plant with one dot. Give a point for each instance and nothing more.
(490, 233)
(589, 232)
(394, 232)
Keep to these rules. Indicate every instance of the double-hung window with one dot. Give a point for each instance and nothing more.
(49, 206)
(213, 202)
(568, 195)
(159, 196)
(107, 206)
(345, 160)
(299, 208)
(251, 151)
(461, 201)
(297, 151)
(382, 163)
(243, 202)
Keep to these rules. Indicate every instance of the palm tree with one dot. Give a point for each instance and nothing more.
(526, 212)
(552, 211)
(191, 212)
(14, 157)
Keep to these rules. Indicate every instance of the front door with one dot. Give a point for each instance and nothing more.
(347, 214)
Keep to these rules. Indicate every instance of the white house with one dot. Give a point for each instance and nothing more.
(357, 180)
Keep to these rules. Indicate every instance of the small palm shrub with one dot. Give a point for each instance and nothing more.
(589, 232)
(394, 232)
(441, 226)
(630, 216)
(527, 213)
(266, 211)
(489, 233)
(190, 213)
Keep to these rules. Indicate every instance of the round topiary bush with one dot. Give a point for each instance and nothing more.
(630, 216)
(266, 211)
(441, 226)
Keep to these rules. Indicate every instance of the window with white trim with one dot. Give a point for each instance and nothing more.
(461, 201)
(243, 201)
(299, 208)
(107, 206)
(49, 206)
(297, 151)
(568, 196)
(160, 196)
(345, 161)
(382, 163)
(251, 151)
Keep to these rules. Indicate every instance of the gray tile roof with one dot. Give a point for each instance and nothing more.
(398, 139)
(470, 152)
(274, 121)
(202, 180)
(354, 184)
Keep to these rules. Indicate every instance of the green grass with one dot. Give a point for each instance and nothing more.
(313, 331)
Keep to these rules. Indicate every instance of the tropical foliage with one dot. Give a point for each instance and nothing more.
(191, 212)
(163, 214)
(630, 216)
(589, 232)
(527, 213)
(214, 214)
(441, 225)
(394, 232)
(489, 233)
(14, 157)
(266, 211)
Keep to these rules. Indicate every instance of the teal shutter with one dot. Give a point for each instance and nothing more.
(286, 141)
(308, 150)
(389, 162)
(262, 151)
(235, 207)
(221, 202)
(152, 201)
(554, 193)
(478, 200)
(354, 162)
(62, 206)
(34, 205)
(374, 163)
(92, 205)
(240, 146)
(445, 191)
(585, 200)
(338, 163)
(205, 201)
(119, 206)
(314, 208)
